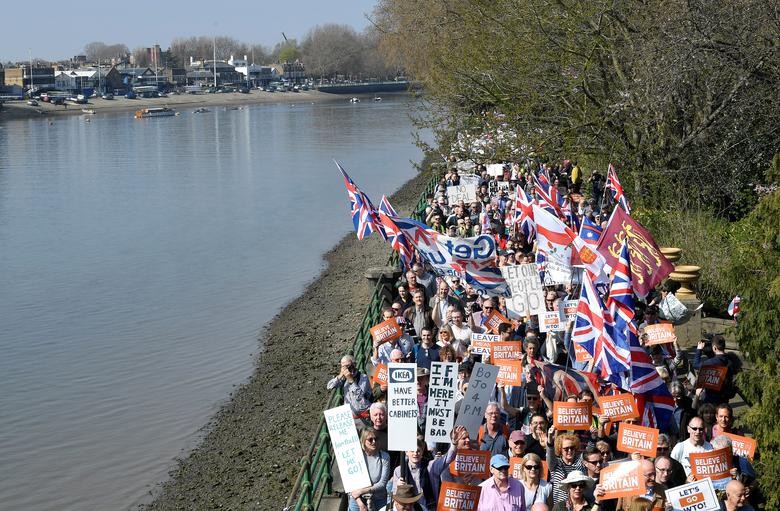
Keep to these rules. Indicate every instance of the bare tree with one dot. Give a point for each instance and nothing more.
(98, 50)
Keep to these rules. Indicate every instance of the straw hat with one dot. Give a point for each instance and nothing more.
(577, 477)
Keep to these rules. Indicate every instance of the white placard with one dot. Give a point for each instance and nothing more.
(470, 179)
(527, 296)
(695, 496)
(495, 169)
(442, 387)
(346, 448)
(551, 322)
(472, 408)
(402, 409)
(557, 266)
(480, 350)
(466, 193)
(569, 309)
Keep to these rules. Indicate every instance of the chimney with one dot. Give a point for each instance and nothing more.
(246, 59)
(191, 60)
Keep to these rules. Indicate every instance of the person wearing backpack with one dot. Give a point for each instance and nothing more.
(719, 358)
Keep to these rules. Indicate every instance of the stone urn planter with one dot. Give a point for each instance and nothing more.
(686, 276)
(671, 253)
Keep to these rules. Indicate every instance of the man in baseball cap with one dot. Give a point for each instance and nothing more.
(501, 489)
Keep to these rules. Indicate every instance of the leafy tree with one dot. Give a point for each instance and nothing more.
(755, 275)
(287, 51)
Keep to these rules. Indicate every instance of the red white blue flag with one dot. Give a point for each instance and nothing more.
(733, 309)
(592, 331)
(364, 215)
(524, 213)
(614, 185)
(590, 232)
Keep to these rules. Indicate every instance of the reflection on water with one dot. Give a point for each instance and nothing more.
(139, 260)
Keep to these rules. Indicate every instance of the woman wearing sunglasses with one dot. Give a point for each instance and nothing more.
(576, 485)
(378, 464)
(536, 489)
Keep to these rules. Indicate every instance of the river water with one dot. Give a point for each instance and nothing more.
(140, 259)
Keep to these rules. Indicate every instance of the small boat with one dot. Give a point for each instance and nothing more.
(154, 112)
(90, 111)
(201, 110)
(377, 98)
(354, 100)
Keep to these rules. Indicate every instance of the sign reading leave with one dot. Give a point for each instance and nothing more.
(713, 464)
(712, 377)
(510, 372)
(619, 406)
(571, 415)
(622, 479)
(386, 331)
(632, 438)
(480, 344)
(458, 497)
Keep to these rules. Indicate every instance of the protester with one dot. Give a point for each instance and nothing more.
(419, 315)
(501, 490)
(563, 459)
(536, 489)
(355, 387)
(378, 464)
(736, 498)
(493, 434)
(669, 471)
(695, 443)
(574, 488)
(381, 351)
(417, 477)
(426, 352)
(719, 359)
(654, 491)
(407, 498)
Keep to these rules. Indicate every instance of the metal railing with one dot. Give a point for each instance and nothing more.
(315, 479)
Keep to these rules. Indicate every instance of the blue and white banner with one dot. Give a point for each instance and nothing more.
(471, 259)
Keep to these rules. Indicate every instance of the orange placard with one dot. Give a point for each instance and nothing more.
(472, 462)
(571, 415)
(386, 331)
(661, 333)
(580, 353)
(712, 377)
(510, 372)
(622, 479)
(512, 350)
(457, 497)
(713, 464)
(619, 407)
(742, 445)
(516, 468)
(380, 375)
(632, 438)
(494, 319)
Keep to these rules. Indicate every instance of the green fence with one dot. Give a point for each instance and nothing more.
(315, 479)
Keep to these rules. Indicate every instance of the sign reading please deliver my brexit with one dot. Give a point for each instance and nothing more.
(571, 415)
(695, 496)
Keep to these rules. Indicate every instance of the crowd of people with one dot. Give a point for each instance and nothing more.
(440, 314)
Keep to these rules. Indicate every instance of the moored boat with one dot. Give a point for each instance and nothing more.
(154, 112)
(88, 110)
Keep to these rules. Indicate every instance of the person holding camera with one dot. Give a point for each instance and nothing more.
(354, 386)
(719, 358)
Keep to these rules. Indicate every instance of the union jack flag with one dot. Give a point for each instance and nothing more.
(733, 309)
(592, 332)
(653, 397)
(397, 238)
(364, 215)
(590, 232)
(551, 231)
(384, 205)
(617, 189)
(524, 213)
(547, 196)
(560, 382)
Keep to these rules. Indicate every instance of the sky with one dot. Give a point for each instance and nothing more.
(55, 30)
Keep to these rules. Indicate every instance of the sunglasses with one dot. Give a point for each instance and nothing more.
(372, 440)
(568, 448)
(696, 429)
(531, 467)
(577, 485)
